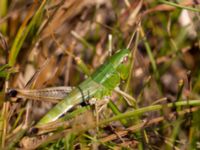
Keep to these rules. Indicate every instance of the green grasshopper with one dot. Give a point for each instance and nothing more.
(101, 83)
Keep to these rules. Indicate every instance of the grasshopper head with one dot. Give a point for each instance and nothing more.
(119, 57)
(121, 63)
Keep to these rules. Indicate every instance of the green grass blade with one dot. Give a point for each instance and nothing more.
(179, 6)
(150, 54)
(3, 12)
(151, 108)
(26, 31)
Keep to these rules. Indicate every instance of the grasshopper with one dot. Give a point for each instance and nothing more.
(101, 83)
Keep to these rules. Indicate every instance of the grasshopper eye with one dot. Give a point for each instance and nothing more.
(125, 59)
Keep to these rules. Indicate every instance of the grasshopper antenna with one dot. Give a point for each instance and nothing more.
(131, 40)
(132, 36)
